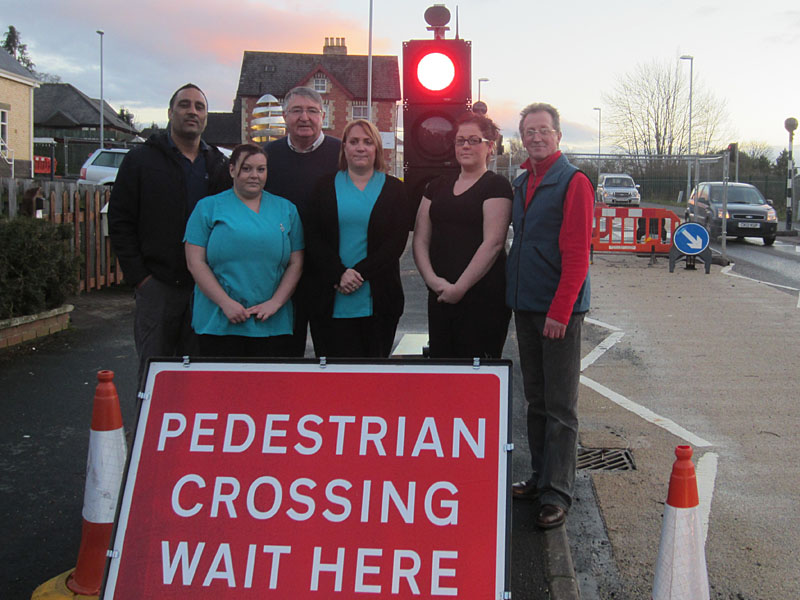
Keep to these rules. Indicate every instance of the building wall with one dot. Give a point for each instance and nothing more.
(17, 97)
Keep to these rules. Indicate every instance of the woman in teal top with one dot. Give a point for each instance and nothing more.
(357, 229)
(244, 248)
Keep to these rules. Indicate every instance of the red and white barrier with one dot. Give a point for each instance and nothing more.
(681, 565)
(104, 469)
(639, 230)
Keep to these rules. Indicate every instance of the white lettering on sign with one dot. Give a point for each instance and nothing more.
(198, 430)
(239, 431)
(439, 499)
(228, 444)
(405, 565)
(222, 565)
(438, 572)
(166, 432)
(407, 573)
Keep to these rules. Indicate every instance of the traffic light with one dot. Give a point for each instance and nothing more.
(436, 92)
(733, 149)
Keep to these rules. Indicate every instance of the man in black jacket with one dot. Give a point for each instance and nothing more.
(157, 187)
(295, 164)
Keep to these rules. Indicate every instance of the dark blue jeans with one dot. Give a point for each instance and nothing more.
(551, 372)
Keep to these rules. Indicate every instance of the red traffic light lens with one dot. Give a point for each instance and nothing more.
(436, 71)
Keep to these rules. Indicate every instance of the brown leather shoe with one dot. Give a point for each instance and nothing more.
(551, 516)
(524, 490)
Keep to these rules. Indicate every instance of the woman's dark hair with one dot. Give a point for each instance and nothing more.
(489, 130)
(245, 151)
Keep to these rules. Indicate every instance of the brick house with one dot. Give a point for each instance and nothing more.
(340, 78)
(16, 117)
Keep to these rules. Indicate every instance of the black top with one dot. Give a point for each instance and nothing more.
(293, 175)
(457, 232)
(387, 234)
(148, 210)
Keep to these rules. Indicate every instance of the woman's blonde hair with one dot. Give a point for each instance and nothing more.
(373, 134)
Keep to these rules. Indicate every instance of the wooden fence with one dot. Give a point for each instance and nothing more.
(81, 207)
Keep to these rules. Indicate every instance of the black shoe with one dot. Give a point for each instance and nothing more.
(551, 516)
(524, 490)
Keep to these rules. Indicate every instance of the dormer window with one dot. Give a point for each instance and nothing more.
(320, 83)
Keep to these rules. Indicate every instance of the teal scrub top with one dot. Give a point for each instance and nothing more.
(248, 253)
(355, 207)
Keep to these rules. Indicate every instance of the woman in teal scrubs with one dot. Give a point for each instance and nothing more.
(357, 229)
(244, 248)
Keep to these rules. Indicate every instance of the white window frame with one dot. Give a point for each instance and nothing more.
(3, 129)
(326, 118)
(320, 83)
(362, 108)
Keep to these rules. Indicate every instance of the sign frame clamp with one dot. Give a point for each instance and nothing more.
(389, 463)
(689, 241)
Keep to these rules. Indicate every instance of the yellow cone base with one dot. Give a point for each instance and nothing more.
(56, 589)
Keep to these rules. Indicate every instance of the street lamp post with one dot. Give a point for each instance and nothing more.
(101, 33)
(790, 124)
(599, 121)
(481, 80)
(690, 58)
(369, 68)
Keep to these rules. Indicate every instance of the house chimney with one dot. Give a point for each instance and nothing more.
(334, 45)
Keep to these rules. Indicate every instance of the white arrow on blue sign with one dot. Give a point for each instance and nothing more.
(691, 238)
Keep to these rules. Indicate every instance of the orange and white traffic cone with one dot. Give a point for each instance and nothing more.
(106, 463)
(681, 565)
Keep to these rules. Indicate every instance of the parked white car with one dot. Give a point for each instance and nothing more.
(102, 166)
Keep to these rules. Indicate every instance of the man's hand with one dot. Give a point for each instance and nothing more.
(553, 329)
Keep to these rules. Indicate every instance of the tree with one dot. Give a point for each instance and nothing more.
(649, 112)
(12, 43)
(126, 115)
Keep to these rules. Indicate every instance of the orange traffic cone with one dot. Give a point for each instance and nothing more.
(106, 463)
(681, 565)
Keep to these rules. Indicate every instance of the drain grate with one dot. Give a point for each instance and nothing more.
(605, 459)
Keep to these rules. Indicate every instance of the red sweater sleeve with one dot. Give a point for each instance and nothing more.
(574, 242)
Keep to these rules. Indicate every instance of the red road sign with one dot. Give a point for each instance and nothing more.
(300, 481)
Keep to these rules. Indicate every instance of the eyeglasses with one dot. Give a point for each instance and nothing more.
(542, 131)
(296, 111)
(473, 140)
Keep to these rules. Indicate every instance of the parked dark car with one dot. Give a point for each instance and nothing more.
(749, 213)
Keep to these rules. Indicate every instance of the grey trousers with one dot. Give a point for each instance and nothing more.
(550, 377)
(163, 322)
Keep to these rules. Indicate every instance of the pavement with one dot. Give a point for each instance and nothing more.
(47, 391)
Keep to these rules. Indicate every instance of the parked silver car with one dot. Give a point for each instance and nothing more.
(102, 166)
(749, 213)
(617, 189)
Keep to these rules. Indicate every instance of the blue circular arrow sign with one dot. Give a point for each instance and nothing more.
(691, 238)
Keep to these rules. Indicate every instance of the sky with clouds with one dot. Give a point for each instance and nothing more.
(569, 54)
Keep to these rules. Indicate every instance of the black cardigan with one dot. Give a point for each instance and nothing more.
(387, 234)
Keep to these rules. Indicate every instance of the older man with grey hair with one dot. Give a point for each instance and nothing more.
(295, 163)
(548, 289)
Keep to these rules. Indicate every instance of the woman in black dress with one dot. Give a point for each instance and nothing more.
(459, 248)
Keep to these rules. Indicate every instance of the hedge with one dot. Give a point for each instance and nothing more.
(37, 268)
